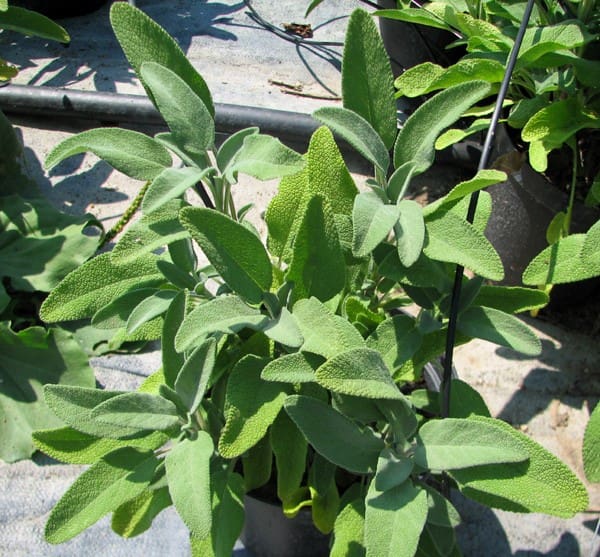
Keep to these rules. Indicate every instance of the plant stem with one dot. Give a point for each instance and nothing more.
(567, 227)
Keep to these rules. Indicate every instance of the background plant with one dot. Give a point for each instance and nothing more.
(285, 353)
(28, 22)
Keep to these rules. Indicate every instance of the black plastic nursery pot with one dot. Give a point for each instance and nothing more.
(269, 533)
(522, 209)
(408, 44)
(60, 8)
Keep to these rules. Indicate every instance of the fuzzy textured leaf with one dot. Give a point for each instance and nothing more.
(591, 447)
(193, 378)
(334, 436)
(115, 479)
(251, 406)
(235, 251)
(74, 447)
(396, 339)
(298, 367)
(130, 152)
(455, 443)
(359, 133)
(452, 239)
(562, 262)
(265, 157)
(499, 327)
(225, 314)
(188, 474)
(318, 267)
(541, 484)
(372, 221)
(416, 140)
(90, 287)
(138, 411)
(324, 333)
(135, 516)
(394, 520)
(358, 372)
(367, 79)
(29, 22)
(188, 118)
(143, 40)
(409, 232)
(427, 77)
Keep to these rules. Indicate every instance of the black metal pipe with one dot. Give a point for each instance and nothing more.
(137, 109)
(118, 108)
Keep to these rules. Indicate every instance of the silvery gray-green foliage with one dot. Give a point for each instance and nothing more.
(286, 350)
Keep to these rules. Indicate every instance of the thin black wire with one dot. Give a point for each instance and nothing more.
(483, 162)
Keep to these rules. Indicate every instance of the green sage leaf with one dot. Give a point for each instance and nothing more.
(455, 443)
(394, 520)
(251, 406)
(324, 332)
(562, 262)
(290, 450)
(188, 473)
(409, 232)
(170, 184)
(135, 516)
(235, 252)
(417, 137)
(334, 436)
(318, 267)
(188, 118)
(298, 367)
(541, 484)
(264, 157)
(372, 221)
(130, 152)
(357, 131)
(115, 479)
(358, 372)
(89, 288)
(225, 314)
(192, 380)
(29, 22)
(138, 411)
(591, 447)
(367, 79)
(452, 239)
(499, 327)
(149, 308)
(143, 40)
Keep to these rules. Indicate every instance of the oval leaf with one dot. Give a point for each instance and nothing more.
(359, 372)
(235, 251)
(130, 152)
(143, 40)
(499, 327)
(367, 79)
(90, 287)
(188, 473)
(372, 220)
(542, 484)
(416, 140)
(186, 115)
(455, 443)
(141, 411)
(115, 479)
(334, 436)
(354, 129)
